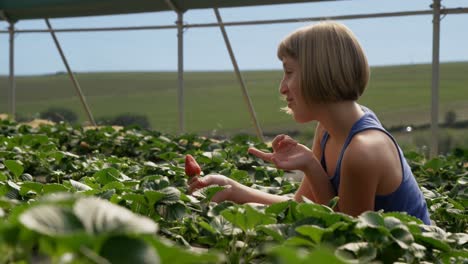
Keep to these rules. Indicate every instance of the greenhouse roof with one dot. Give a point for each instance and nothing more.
(14, 10)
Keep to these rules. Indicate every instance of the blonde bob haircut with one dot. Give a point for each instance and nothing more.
(333, 66)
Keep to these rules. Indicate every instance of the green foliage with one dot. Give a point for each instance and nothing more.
(450, 118)
(127, 119)
(59, 114)
(108, 196)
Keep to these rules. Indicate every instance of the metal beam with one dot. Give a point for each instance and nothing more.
(70, 73)
(180, 69)
(435, 80)
(12, 93)
(460, 10)
(180, 64)
(245, 94)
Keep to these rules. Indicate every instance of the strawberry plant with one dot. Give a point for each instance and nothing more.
(76, 195)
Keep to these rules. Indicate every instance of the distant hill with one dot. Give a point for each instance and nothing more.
(213, 100)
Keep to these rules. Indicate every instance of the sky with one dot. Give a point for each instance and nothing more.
(386, 41)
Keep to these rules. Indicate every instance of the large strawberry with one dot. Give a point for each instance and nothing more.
(191, 166)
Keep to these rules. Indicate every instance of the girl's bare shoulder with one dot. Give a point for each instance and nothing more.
(372, 147)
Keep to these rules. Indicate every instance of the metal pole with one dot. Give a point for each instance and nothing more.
(458, 10)
(180, 69)
(12, 97)
(180, 63)
(435, 80)
(239, 77)
(70, 73)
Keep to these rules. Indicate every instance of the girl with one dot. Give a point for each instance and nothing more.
(352, 156)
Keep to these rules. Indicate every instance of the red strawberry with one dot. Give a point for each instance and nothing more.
(191, 166)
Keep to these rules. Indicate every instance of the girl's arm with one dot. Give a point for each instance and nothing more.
(234, 191)
(290, 155)
(305, 188)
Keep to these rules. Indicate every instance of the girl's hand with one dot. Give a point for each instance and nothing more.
(234, 191)
(229, 193)
(287, 154)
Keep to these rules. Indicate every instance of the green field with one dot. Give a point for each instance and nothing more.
(214, 103)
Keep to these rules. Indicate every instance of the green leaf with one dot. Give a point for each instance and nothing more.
(171, 195)
(371, 219)
(402, 236)
(277, 208)
(323, 255)
(460, 255)
(434, 164)
(8, 203)
(287, 254)
(403, 217)
(12, 190)
(154, 182)
(65, 198)
(113, 185)
(100, 216)
(16, 167)
(215, 209)
(333, 202)
(135, 198)
(391, 222)
(417, 250)
(207, 227)
(174, 254)
(108, 175)
(122, 249)
(51, 220)
(172, 211)
(187, 198)
(153, 197)
(31, 186)
(3, 177)
(313, 232)
(460, 238)
(279, 232)
(358, 251)
(240, 176)
(377, 235)
(429, 240)
(310, 209)
(80, 186)
(54, 187)
(207, 193)
(224, 227)
(246, 217)
(69, 154)
(26, 177)
(297, 241)
(322, 213)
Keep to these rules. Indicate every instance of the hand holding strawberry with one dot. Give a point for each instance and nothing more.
(192, 168)
(233, 191)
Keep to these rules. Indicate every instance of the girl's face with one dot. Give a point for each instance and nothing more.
(290, 88)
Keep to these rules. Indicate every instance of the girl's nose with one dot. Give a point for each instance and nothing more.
(283, 87)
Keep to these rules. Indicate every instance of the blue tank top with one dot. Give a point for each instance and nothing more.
(407, 197)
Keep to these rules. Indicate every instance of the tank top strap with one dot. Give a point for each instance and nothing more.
(323, 141)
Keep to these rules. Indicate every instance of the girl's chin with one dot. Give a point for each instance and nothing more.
(297, 118)
(301, 119)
